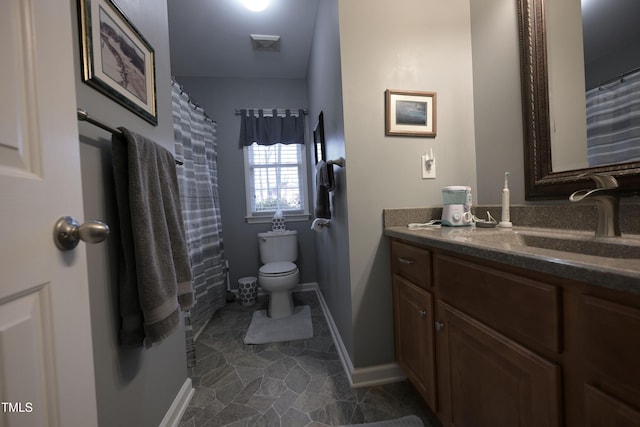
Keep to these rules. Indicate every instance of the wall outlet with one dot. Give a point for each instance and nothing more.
(428, 166)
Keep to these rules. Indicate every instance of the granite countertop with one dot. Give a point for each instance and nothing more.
(506, 246)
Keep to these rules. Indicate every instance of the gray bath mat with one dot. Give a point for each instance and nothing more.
(408, 421)
(263, 329)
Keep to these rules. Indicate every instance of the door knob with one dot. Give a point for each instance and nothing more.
(68, 232)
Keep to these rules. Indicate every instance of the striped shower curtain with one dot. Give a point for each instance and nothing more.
(195, 143)
(613, 121)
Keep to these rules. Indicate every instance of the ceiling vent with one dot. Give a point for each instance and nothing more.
(265, 43)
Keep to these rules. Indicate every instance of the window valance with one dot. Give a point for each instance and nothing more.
(269, 130)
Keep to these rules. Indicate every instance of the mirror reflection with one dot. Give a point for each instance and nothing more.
(593, 54)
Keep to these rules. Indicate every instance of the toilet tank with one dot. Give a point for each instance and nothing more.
(278, 246)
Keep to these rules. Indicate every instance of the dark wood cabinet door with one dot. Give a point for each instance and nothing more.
(610, 351)
(487, 380)
(413, 312)
(602, 410)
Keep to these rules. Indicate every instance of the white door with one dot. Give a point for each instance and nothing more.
(46, 360)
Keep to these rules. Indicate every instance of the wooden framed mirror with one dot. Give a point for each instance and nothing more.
(541, 181)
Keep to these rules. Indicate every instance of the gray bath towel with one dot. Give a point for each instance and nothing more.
(155, 273)
(325, 182)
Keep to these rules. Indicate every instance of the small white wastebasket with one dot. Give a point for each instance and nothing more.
(247, 290)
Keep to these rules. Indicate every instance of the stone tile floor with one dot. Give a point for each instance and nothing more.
(290, 384)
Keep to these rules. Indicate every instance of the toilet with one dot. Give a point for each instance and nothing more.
(279, 275)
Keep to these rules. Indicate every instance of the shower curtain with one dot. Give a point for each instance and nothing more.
(613, 121)
(195, 144)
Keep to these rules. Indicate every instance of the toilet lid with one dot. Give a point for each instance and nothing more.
(277, 268)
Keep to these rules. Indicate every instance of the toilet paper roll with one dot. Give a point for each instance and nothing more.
(319, 224)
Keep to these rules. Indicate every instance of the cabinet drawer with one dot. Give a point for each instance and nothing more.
(411, 263)
(524, 309)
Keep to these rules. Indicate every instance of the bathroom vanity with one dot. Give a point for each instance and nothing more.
(494, 328)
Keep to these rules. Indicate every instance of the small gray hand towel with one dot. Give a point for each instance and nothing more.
(325, 182)
(155, 272)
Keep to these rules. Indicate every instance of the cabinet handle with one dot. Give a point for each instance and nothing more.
(439, 326)
(406, 261)
(422, 313)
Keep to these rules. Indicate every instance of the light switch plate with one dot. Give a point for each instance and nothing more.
(428, 170)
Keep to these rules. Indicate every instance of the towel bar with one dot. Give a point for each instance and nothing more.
(337, 162)
(83, 116)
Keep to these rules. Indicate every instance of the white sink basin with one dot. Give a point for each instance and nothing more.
(573, 242)
(608, 247)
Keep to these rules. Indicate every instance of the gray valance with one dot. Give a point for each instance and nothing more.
(269, 130)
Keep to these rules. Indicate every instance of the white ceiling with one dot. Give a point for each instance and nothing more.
(210, 38)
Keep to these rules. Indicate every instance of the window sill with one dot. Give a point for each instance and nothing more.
(287, 218)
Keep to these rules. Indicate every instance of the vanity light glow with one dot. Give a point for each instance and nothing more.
(256, 5)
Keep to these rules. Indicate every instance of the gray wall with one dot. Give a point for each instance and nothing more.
(325, 94)
(411, 45)
(134, 387)
(497, 100)
(220, 98)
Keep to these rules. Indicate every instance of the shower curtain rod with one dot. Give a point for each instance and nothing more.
(190, 100)
(83, 116)
(619, 77)
(280, 110)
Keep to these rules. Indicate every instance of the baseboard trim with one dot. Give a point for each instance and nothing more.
(176, 410)
(360, 377)
(347, 365)
(377, 375)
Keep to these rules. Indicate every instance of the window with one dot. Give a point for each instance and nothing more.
(276, 178)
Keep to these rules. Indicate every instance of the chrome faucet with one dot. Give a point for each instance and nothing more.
(607, 199)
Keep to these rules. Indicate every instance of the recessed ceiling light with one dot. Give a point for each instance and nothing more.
(256, 5)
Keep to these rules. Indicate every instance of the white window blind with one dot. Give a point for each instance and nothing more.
(276, 179)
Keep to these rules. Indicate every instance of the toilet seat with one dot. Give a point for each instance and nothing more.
(277, 269)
